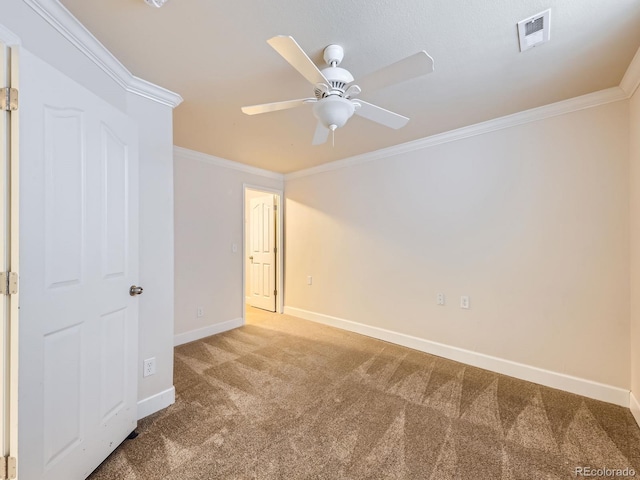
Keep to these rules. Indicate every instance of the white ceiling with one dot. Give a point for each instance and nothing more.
(214, 53)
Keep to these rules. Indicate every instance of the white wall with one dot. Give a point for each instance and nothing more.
(156, 183)
(532, 222)
(208, 221)
(634, 154)
(46, 43)
(156, 242)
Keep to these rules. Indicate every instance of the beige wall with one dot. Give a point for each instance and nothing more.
(635, 241)
(208, 221)
(532, 222)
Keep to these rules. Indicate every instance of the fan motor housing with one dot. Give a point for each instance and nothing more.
(338, 78)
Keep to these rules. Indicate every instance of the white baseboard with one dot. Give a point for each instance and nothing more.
(199, 333)
(635, 407)
(561, 381)
(156, 402)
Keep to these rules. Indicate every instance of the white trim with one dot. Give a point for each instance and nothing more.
(561, 381)
(193, 335)
(156, 402)
(590, 100)
(54, 13)
(631, 79)
(187, 154)
(139, 86)
(635, 407)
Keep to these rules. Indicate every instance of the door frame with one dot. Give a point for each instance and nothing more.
(10, 413)
(279, 245)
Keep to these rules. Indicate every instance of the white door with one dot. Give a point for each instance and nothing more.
(262, 253)
(78, 254)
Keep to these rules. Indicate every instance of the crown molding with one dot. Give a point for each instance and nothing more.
(590, 100)
(631, 80)
(54, 13)
(154, 92)
(181, 153)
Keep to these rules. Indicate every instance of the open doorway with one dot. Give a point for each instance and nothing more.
(262, 247)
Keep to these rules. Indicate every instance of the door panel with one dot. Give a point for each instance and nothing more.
(262, 255)
(62, 366)
(64, 164)
(113, 358)
(114, 203)
(79, 244)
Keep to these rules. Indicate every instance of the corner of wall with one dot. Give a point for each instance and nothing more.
(635, 407)
(631, 79)
(207, 240)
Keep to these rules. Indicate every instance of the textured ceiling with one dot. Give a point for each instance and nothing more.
(214, 53)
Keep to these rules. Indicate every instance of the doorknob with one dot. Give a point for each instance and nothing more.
(133, 291)
(251, 258)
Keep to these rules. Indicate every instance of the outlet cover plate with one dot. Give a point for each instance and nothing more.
(149, 367)
(465, 302)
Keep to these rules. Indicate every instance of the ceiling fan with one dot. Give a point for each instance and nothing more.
(334, 101)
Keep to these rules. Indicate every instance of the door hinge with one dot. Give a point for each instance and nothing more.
(8, 283)
(275, 292)
(8, 99)
(275, 208)
(7, 468)
(275, 249)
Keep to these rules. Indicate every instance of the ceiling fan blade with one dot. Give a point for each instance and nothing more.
(293, 53)
(274, 107)
(380, 115)
(321, 136)
(411, 67)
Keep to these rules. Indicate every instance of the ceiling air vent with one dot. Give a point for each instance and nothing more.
(534, 31)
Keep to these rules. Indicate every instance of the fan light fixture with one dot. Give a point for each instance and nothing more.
(334, 111)
(333, 102)
(156, 3)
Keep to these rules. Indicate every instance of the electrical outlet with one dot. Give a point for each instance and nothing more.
(465, 302)
(309, 280)
(234, 248)
(440, 299)
(149, 367)
(200, 312)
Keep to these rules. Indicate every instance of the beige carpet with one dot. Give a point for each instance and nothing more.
(282, 398)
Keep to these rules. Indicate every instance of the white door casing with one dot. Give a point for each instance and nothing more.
(9, 60)
(5, 155)
(79, 256)
(262, 254)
